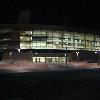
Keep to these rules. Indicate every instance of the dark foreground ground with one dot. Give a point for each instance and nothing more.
(51, 85)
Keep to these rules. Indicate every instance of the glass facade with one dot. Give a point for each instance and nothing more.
(49, 42)
(46, 39)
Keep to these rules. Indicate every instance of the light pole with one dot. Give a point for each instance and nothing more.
(97, 52)
(19, 52)
(77, 53)
(66, 55)
(11, 56)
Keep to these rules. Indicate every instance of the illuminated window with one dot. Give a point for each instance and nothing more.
(75, 44)
(25, 38)
(25, 45)
(49, 46)
(56, 34)
(49, 34)
(71, 39)
(49, 39)
(26, 33)
(75, 41)
(80, 41)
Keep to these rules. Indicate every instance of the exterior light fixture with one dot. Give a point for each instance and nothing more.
(18, 50)
(77, 52)
(95, 52)
(10, 53)
(66, 55)
(36, 53)
(77, 56)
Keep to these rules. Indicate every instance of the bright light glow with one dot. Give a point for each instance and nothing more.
(18, 50)
(77, 52)
(66, 43)
(65, 54)
(36, 53)
(57, 42)
(10, 53)
(95, 52)
(31, 32)
(31, 38)
(53, 39)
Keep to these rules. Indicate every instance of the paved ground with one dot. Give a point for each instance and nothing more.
(53, 85)
(28, 66)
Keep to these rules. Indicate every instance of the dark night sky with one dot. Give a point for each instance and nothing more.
(78, 13)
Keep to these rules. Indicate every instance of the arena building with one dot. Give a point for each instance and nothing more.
(47, 43)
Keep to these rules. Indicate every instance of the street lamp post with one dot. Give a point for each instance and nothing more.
(97, 52)
(11, 55)
(66, 55)
(77, 53)
(19, 52)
